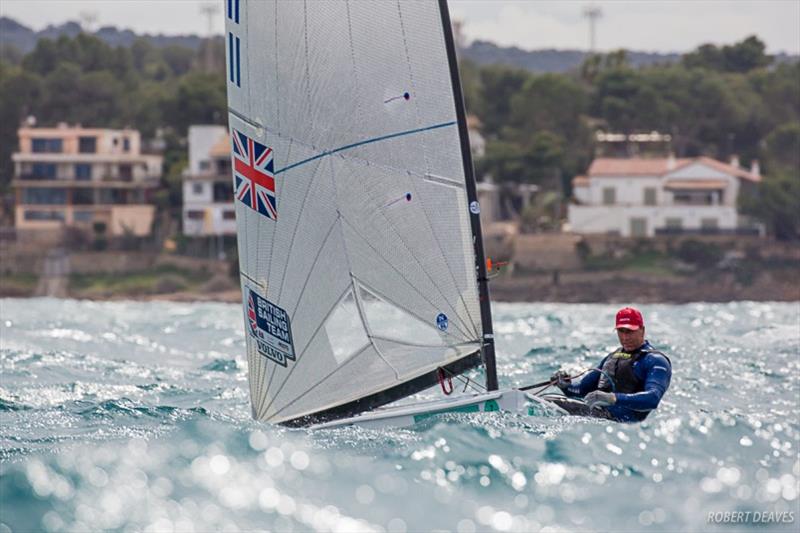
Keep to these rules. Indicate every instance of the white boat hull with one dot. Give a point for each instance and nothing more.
(510, 400)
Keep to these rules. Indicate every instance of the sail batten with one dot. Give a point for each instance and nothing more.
(352, 193)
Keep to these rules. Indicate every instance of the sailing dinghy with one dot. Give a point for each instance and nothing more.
(362, 266)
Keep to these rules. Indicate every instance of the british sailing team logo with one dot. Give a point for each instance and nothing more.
(254, 175)
(269, 327)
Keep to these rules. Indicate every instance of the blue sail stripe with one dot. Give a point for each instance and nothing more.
(238, 65)
(230, 54)
(237, 11)
(366, 141)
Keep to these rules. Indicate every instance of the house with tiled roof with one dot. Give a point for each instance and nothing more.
(643, 197)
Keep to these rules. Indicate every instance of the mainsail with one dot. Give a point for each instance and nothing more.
(360, 251)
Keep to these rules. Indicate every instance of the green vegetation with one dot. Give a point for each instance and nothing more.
(160, 280)
(18, 284)
(700, 253)
(688, 257)
(778, 203)
(159, 91)
(648, 262)
(716, 101)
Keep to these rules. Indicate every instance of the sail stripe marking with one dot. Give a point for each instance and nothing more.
(230, 54)
(233, 10)
(238, 64)
(366, 141)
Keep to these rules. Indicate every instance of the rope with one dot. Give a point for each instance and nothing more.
(464, 379)
(544, 385)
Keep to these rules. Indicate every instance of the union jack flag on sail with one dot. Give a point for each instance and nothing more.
(254, 175)
(251, 315)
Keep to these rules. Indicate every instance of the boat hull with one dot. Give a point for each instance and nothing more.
(509, 400)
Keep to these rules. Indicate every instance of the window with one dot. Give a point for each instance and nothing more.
(223, 167)
(126, 145)
(693, 198)
(197, 188)
(649, 196)
(47, 146)
(126, 172)
(87, 145)
(673, 223)
(205, 164)
(195, 214)
(83, 172)
(638, 227)
(223, 191)
(82, 216)
(45, 196)
(112, 196)
(82, 196)
(609, 196)
(229, 215)
(709, 224)
(35, 214)
(43, 171)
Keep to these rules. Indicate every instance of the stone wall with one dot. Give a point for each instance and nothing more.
(16, 260)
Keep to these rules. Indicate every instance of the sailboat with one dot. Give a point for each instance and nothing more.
(362, 266)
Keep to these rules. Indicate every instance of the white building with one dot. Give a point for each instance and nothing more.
(643, 197)
(207, 193)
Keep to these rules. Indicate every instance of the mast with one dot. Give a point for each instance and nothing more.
(474, 206)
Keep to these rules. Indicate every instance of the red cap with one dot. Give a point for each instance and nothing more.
(629, 318)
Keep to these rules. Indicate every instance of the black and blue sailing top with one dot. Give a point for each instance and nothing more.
(638, 379)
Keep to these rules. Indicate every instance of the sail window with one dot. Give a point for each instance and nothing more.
(388, 321)
(345, 330)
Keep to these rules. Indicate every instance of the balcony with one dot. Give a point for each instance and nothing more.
(742, 231)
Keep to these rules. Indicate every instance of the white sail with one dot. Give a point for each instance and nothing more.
(355, 248)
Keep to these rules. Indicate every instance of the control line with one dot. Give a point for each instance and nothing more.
(367, 141)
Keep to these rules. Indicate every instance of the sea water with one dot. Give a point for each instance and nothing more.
(135, 417)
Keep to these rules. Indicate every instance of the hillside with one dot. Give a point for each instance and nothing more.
(486, 53)
(24, 39)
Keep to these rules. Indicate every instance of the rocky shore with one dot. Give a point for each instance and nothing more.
(622, 287)
(566, 287)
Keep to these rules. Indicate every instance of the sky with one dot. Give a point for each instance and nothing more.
(647, 25)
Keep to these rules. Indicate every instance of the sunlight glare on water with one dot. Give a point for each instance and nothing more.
(136, 417)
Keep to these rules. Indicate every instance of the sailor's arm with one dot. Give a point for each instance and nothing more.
(656, 384)
(587, 384)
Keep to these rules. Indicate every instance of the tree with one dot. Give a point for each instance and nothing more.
(746, 55)
(20, 92)
(200, 99)
(777, 204)
(782, 148)
(550, 102)
(614, 94)
(743, 56)
(706, 56)
(499, 84)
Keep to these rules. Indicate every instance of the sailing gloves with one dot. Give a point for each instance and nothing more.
(597, 399)
(561, 379)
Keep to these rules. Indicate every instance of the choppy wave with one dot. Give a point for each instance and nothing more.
(135, 416)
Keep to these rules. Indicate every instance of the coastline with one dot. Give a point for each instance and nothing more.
(569, 287)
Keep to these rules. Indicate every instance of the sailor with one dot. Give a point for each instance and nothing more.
(627, 384)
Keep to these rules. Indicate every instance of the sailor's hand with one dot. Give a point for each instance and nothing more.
(561, 379)
(597, 399)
